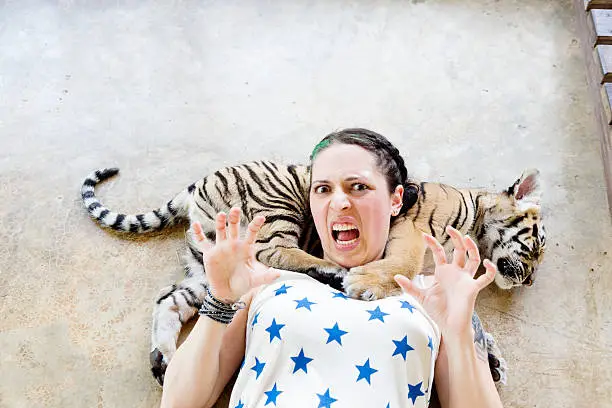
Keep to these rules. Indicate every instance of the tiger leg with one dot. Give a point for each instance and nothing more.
(487, 349)
(497, 364)
(175, 305)
(403, 255)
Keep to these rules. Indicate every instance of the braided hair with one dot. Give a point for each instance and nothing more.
(388, 159)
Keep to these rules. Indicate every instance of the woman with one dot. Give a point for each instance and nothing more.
(305, 344)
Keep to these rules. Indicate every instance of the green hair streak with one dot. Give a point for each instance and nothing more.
(322, 145)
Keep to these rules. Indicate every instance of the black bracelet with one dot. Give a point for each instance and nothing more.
(219, 310)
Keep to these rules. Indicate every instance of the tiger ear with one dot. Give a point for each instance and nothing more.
(527, 187)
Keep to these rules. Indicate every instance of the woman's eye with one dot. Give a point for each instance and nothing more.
(359, 187)
(321, 189)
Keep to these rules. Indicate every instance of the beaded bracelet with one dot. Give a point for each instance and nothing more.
(218, 310)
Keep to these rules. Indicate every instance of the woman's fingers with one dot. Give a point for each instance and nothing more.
(221, 227)
(234, 223)
(203, 243)
(459, 251)
(437, 250)
(486, 278)
(198, 232)
(473, 255)
(253, 228)
(408, 287)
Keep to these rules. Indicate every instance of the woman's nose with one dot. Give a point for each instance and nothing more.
(340, 202)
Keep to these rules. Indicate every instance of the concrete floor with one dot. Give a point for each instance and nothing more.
(472, 92)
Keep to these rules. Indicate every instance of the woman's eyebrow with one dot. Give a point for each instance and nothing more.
(353, 178)
(350, 178)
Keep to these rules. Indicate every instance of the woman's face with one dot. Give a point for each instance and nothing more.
(351, 205)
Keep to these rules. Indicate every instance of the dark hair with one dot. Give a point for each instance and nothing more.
(388, 159)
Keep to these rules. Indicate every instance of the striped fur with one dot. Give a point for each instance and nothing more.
(506, 225)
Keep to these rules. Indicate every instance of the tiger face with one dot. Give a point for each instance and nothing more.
(514, 234)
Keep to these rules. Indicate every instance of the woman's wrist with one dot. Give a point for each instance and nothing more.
(219, 310)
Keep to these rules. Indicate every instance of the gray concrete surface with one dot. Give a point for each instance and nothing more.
(471, 91)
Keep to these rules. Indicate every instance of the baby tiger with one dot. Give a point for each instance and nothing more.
(506, 226)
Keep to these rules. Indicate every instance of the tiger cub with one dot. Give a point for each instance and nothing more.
(506, 226)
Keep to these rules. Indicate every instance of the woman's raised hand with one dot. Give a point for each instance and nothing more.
(450, 299)
(230, 264)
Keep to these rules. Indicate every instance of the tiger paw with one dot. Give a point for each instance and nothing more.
(331, 275)
(158, 365)
(366, 284)
(497, 364)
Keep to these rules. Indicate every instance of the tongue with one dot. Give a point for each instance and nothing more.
(348, 235)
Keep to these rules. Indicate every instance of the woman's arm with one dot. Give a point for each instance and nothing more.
(204, 363)
(462, 373)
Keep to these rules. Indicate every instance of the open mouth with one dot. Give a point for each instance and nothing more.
(345, 234)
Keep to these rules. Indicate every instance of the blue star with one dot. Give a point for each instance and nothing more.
(258, 367)
(407, 305)
(325, 400)
(414, 391)
(272, 395)
(335, 334)
(240, 404)
(274, 330)
(242, 363)
(340, 295)
(282, 289)
(388, 405)
(402, 347)
(301, 361)
(365, 371)
(430, 344)
(377, 314)
(305, 303)
(255, 318)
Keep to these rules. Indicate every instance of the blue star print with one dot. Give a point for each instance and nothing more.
(414, 391)
(388, 405)
(282, 289)
(255, 318)
(301, 361)
(335, 334)
(407, 305)
(325, 400)
(365, 371)
(377, 314)
(274, 330)
(240, 404)
(401, 347)
(305, 303)
(272, 395)
(430, 344)
(258, 367)
(340, 295)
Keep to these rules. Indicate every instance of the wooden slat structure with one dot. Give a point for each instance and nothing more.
(600, 26)
(595, 27)
(603, 59)
(597, 4)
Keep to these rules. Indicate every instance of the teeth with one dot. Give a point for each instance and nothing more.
(343, 227)
(352, 241)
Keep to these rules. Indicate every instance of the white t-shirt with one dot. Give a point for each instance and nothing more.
(308, 345)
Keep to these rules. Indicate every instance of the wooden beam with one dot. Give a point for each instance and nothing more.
(600, 27)
(597, 4)
(603, 59)
(595, 89)
(606, 102)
